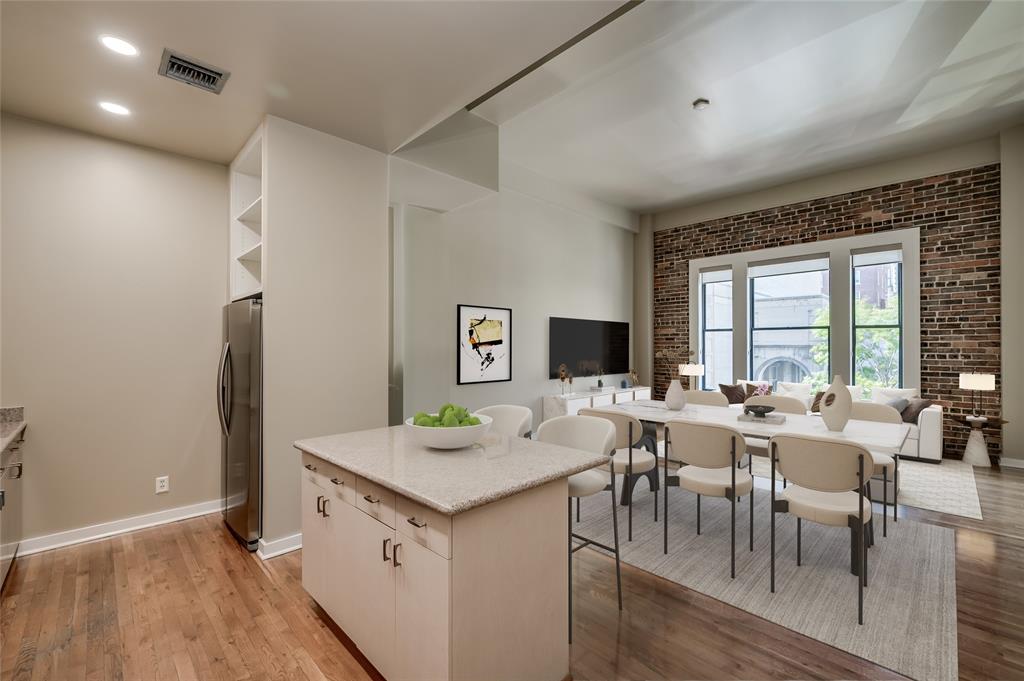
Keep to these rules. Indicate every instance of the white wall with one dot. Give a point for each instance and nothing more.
(507, 250)
(1012, 283)
(114, 275)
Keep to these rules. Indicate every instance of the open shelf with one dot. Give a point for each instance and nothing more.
(250, 159)
(252, 214)
(252, 254)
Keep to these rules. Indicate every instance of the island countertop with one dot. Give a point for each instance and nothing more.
(450, 481)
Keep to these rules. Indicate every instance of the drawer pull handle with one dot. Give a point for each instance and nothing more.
(337, 482)
(395, 553)
(310, 467)
(369, 499)
(416, 523)
(384, 549)
(324, 512)
(320, 504)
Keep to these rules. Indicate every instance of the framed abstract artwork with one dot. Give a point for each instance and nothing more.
(484, 344)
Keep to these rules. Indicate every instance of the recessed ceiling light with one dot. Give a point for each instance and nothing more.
(120, 46)
(113, 108)
(700, 104)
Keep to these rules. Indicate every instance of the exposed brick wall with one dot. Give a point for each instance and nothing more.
(958, 215)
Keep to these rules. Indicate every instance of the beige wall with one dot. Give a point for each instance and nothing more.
(1012, 241)
(325, 332)
(114, 269)
(643, 300)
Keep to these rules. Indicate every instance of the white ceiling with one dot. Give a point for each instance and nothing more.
(796, 89)
(377, 73)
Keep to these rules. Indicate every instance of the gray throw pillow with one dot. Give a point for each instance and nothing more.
(914, 409)
(899, 404)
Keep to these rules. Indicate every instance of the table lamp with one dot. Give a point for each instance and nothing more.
(691, 370)
(977, 383)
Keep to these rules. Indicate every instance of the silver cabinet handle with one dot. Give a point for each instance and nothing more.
(20, 470)
(319, 504)
(395, 553)
(310, 467)
(384, 549)
(324, 512)
(416, 523)
(337, 482)
(371, 500)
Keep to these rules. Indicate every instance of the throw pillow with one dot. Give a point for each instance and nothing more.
(883, 395)
(757, 390)
(899, 404)
(816, 405)
(733, 393)
(914, 409)
(801, 391)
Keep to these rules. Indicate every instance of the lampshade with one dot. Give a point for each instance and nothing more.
(977, 381)
(691, 369)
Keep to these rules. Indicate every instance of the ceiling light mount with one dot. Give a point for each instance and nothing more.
(701, 103)
(118, 45)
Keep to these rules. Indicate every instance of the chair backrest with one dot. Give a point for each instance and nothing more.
(622, 423)
(704, 445)
(707, 397)
(511, 420)
(820, 463)
(782, 404)
(872, 411)
(588, 433)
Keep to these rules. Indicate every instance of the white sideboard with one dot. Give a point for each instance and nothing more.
(570, 403)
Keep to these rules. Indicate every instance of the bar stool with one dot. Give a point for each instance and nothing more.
(593, 435)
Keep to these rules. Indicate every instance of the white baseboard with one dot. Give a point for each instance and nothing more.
(270, 549)
(1010, 463)
(114, 527)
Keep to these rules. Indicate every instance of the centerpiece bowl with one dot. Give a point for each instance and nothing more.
(455, 437)
(758, 410)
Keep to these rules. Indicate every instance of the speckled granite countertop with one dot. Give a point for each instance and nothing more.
(455, 481)
(12, 423)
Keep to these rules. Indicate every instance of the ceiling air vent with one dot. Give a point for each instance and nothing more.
(177, 66)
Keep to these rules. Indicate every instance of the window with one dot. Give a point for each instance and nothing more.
(716, 327)
(789, 322)
(877, 319)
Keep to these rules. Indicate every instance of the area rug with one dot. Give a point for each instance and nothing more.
(909, 604)
(947, 487)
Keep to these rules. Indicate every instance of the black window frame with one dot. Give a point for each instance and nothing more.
(703, 326)
(854, 327)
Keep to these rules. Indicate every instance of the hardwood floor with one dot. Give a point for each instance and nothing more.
(184, 601)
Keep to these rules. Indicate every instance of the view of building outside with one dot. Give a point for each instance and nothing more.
(789, 331)
(877, 333)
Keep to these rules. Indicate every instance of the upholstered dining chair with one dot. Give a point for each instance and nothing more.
(883, 464)
(595, 435)
(510, 420)
(784, 405)
(629, 461)
(710, 454)
(829, 477)
(707, 398)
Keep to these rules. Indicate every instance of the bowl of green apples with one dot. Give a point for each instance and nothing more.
(452, 427)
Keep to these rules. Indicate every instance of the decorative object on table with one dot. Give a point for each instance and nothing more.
(484, 344)
(675, 397)
(977, 383)
(452, 427)
(634, 378)
(600, 377)
(624, 383)
(836, 404)
(691, 370)
(759, 410)
(773, 419)
(734, 393)
(563, 376)
(816, 402)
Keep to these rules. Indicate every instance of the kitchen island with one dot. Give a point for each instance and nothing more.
(442, 564)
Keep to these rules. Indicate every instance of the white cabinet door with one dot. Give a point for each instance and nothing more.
(422, 608)
(604, 399)
(314, 541)
(372, 595)
(642, 394)
(573, 406)
(340, 580)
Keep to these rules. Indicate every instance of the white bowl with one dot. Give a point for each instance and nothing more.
(449, 438)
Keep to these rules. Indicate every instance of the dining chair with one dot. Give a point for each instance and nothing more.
(629, 461)
(708, 398)
(710, 457)
(828, 479)
(595, 435)
(510, 420)
(882, 463)
(783, 405)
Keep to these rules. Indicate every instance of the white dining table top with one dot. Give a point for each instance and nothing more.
(887, 438)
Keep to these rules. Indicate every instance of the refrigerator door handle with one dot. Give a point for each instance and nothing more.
(229, 387)
(220, 389)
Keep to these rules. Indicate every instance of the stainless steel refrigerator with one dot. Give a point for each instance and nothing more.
(239, 403)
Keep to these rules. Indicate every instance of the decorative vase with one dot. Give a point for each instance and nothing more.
(836, 405)
(675, 398)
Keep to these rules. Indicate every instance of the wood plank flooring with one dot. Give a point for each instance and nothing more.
(184, 601)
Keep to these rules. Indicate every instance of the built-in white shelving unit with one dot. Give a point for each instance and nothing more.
(247, 219)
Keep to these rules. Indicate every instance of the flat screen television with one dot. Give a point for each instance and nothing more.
(588, 347)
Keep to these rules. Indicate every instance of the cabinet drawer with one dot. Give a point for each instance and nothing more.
(312, 467)
(338, 483)
(603, 400)
(425, 526)
(375, 501)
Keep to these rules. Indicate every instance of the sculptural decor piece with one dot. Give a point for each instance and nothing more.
(836, 405)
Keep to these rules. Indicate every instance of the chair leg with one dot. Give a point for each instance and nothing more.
(798, 525)
(577, 510)
(629, 508)
(570, 567)
(732, 527)
(895, 485)
(698, 514)
(615, 533)
(654, 490)
(783, 483)
(751, 516)
(885, 501)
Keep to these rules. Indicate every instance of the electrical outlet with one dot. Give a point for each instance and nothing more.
(163, 484)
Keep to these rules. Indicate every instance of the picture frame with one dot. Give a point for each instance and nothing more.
(483, 344)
